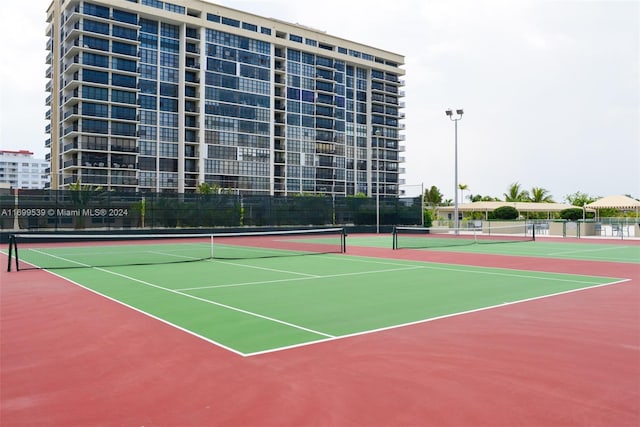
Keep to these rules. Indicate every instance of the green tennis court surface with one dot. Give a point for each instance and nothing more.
(629, 253)
(265, 304)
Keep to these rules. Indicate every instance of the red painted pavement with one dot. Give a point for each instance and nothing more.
(70, 357)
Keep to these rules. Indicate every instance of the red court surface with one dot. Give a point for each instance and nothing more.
(72, 358)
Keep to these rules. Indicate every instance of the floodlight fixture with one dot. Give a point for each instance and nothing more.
(459, 112)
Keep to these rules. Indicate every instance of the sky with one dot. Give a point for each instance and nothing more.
(550, 89)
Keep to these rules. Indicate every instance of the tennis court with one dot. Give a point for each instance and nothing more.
(256, 306)
(352, 325)
(589, 250)
(250, 298)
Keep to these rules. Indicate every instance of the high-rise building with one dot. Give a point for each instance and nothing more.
(20, 170)
(149, 95)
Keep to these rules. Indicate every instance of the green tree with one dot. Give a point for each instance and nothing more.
(505, 212)
(580, 199)
(540, 195)
(575, 214)
(433, 196)
(516, 194)
(206, 188)
(481, 198)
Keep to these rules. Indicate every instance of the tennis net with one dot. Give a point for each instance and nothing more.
(439, 237)
(53, 251)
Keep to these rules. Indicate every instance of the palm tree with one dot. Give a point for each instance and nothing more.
(462, 187)
(82, 195)
(540, 195)
(515, 194)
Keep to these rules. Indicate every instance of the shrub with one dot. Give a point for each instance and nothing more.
(574, 214)
(428, 219)
(505, 212)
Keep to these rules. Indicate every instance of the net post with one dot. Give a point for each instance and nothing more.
(10, 252)
(394, 238)
(533, 232)
(13, 252)
(343, 240)
(211, 244)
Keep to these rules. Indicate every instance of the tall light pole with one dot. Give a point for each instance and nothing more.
(459, 113)
(376, 134)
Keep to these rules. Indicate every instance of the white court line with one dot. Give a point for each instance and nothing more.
(474, 269)
(160, 319)
(293, 279)
(584, 250)
(229, 307)
(431, 319)
(264, 268)
(329, 337)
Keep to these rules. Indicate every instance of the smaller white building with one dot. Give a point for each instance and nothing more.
(21, 170)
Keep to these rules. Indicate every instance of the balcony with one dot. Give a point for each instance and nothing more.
(191, 63)
(193, 33)
(69, 163)
(71, 112)
(191, 77)
(69, 147)
(191, 107)
(191, 92)
(190, 122)
(193, 48)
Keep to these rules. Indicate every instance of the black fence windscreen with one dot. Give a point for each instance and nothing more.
(96, 209)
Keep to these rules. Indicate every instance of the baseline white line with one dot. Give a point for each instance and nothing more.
(431, 319)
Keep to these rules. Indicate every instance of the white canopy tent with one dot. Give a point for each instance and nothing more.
(522, 207)
(622, 203)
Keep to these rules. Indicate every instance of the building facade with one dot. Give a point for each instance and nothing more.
(147, 95)
(20, 170)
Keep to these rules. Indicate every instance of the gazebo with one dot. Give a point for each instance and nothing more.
(622, 203)
(522, 207)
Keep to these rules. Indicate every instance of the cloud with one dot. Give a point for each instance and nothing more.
(550, 88)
